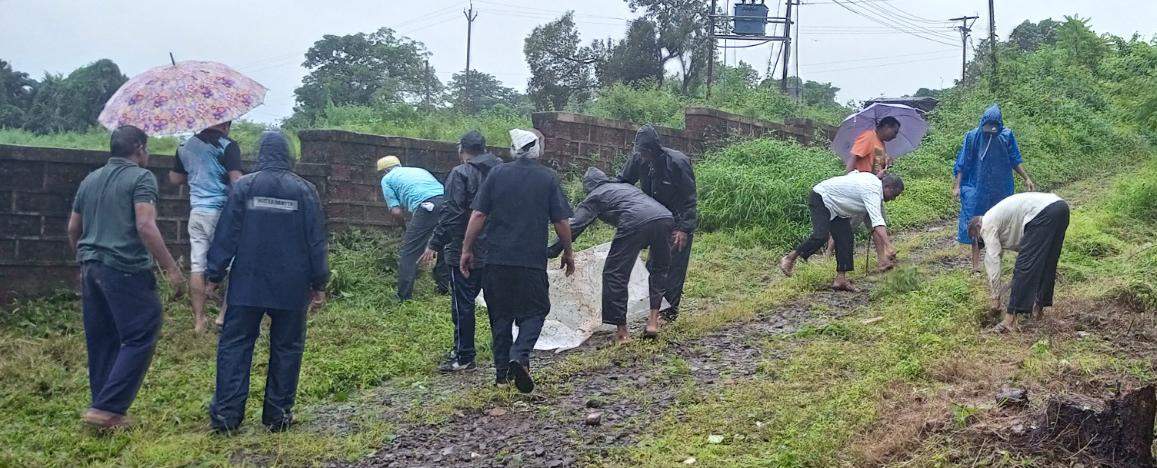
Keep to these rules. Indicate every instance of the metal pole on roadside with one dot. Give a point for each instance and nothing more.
(711, 58)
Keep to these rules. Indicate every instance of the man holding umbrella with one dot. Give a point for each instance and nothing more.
(869, 154)
(869, 140)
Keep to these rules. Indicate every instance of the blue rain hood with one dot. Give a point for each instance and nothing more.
(985, 165)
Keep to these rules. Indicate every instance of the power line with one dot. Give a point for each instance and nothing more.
(901, 12)
(878, 21)
(882, 57)
(897, 19)
(878, 65)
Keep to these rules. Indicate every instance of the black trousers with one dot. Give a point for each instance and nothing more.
(235, 361)
(463, 292)
(1035, 273)
(514, 296)
(414, 241)
(823, 226)
(654, 236)
(122, 320)
(676, 276)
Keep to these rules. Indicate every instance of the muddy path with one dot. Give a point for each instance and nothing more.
(606, 407)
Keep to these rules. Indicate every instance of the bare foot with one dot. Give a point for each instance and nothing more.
(1038, 312)
(1001, 329)
(845, 286)
(786, 265)
(199, 324)
(622, 339)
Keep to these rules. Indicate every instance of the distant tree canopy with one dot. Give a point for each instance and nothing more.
(57, 103)
(636, 58)
(485, 92)
(364, 69)
(1029, 36)
(682, 35)
(562, 70)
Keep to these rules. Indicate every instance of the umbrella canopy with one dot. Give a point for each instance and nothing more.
(912, 129)
(184, 97)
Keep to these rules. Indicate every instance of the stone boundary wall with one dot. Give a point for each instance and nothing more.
(39, 183)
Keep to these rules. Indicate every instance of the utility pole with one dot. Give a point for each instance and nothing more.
(786, 46)
(992, 42)
(965, 28)
(426, 85)
(470, 17)
(711, 59)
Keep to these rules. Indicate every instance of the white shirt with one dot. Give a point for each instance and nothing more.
(1003, 226)
(853, 195)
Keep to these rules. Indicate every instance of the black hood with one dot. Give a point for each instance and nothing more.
(647, 140)
(273, 152)
(484, 162)
(593, 179)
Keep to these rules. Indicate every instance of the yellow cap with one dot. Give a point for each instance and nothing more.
(388, 162)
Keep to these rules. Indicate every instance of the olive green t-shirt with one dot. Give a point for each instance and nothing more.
(106, 203)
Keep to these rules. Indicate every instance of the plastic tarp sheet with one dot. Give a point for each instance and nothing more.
(576, 301)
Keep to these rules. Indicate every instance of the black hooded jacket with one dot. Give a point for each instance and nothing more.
(272, 230)
(621, 205)
(461, 187)
(668, 178)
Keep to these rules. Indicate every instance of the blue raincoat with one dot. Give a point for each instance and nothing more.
(986, 162)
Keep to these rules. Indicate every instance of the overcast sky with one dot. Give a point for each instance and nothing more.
(267, 39)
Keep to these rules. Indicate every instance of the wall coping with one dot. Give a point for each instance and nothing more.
(599, 121)
(707, 111)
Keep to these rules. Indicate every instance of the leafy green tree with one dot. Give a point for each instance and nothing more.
(15, 95)
(819, 94)
(1029, 36)
(364, 69)
(1083, 45)
(71, 104)
(635, 59)
(561, 69)
(485, 92)
(682, 27)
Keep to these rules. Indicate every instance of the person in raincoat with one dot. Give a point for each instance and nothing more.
(983, 171)
(640, 222)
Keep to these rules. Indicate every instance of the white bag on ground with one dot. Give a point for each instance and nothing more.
(576, 302)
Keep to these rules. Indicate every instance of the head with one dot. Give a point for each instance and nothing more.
(593, 179)
(893, 186)
(471, 144)
(388, 163)
(974, 226)
(992, 121)
(887, 128)
(526, 144)
(274, 151)
(647, 143)
(223, 127)
(131, 143)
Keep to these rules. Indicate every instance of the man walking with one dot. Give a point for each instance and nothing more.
(665, 174)
(209, 162)
(461, 187)
(273, 232)
(832, 204)
(420, 193)
(113, 230)
(868, 152)
(640, 222)
(983, 172)
(1033, 224)
(515, 204)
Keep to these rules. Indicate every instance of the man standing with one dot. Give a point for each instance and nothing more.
(665, 174)
(868, 153)
(421, 194)
(209, 162)
(833, 203)
(983, 171)
(1034, 224)
(462, 185)
(273, 232)
(640, 222)
(515, 204)
(114, 233)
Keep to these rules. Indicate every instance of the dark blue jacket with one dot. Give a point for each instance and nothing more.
(273, 231)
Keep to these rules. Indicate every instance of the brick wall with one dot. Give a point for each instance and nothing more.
(39, 183)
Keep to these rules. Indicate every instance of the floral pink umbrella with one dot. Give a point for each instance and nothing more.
(183, 97)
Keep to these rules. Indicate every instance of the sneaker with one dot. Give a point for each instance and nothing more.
(521, 374)
(452, 365)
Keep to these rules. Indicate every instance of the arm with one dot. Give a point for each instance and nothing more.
(585, 214)
(885, 252)
(687, 219)
(315, 238)
(975, 257)
(398, 213)
(1016, 160)
(562, 229)
(630, 172)
(75, 229)
(473, 228)
(227, 235)
(956, 187)
(233, 162)
(992, 254)
(146, 214)
(177, 178)
(178, 175)
(392, 201)
(454, 211)
(1028, 183)
(958, 168)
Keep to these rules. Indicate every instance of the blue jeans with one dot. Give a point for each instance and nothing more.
(122, 320)
(235, 360)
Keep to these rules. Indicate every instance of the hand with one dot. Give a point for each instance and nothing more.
(177, 281)
(427, 257)
(464, 262)
(678, 240)
(955, 192)
(1028, 184)
(316, 301)
(568, 262)
(994, 304)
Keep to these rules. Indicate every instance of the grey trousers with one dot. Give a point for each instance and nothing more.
(414, 241)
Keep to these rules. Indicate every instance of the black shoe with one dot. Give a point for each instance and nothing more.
(501, 377)
(521, 375)
(669, 315)
(452, 365)
(280, 426)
